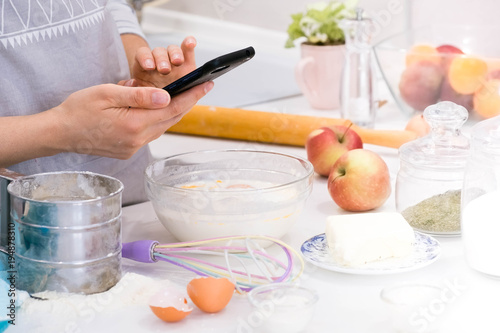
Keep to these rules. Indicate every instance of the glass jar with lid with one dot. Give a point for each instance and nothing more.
(481, 199)
(430, 177)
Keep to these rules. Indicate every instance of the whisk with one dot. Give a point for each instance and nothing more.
(266, 268)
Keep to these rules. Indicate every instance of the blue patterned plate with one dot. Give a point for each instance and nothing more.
(426, 251)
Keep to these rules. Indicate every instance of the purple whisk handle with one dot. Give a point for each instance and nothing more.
(141, 251)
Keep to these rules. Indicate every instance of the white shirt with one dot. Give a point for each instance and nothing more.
(52, 48)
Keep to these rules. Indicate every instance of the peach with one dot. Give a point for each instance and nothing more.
(422, 52)
(417, 124)
(420, 84)
(466, 74)
(487, 99)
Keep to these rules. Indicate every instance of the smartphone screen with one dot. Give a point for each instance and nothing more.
(210, 70)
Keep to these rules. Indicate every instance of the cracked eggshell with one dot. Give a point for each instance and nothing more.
(170, 305)
(210, 294)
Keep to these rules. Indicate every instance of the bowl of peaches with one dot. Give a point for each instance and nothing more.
(443, 63)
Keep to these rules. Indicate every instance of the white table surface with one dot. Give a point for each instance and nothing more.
(347, 303)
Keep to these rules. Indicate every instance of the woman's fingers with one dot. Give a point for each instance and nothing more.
(136, 97)
(132, 116)
(187, 47)
(162, 60)
(184, 102)
(128, 83)
(175, 55)
(145, 58)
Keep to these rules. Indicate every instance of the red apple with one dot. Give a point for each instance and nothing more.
(448, 52)
(447, 48)
(326, 144)
(359, 181)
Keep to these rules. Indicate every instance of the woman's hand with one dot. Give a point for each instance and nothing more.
(105, 120)
(115, 121)
(161, 66)
(112, 120)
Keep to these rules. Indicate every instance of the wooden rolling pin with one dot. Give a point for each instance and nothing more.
(271, 127)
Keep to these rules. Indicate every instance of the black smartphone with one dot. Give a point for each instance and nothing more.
(210, 70)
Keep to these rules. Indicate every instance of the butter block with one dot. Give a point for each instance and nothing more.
(357, 239)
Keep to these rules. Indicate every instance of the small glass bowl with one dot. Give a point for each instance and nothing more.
(283, 307)
(414, 308)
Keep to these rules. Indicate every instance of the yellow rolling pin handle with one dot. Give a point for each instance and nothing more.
(272, 127)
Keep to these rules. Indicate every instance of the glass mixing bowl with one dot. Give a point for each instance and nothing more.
(208, 194)
(426, 65)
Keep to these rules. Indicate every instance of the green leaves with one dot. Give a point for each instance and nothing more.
(319, 24)
(294, 30)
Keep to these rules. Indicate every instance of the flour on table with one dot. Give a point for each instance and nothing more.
(132, 290)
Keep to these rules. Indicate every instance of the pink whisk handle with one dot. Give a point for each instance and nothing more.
(141, 251)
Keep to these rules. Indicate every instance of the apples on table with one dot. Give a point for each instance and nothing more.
(326, 144)
(358, 179)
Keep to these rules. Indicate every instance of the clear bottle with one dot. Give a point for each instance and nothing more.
(481, 199)
(430, 177)
(357, 91)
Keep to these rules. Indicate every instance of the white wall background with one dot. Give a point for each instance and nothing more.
(275, 14)
(456, 12)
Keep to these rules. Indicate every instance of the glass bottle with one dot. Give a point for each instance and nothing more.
(430, 177)
(481, 199)
(357, 91)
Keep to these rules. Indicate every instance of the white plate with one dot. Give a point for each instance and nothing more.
(425, 251)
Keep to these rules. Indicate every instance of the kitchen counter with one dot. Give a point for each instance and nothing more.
(348, 303)
(351, 303)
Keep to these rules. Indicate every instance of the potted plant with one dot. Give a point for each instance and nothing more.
(318, 73)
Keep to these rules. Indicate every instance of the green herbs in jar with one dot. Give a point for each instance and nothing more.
(439, 213)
